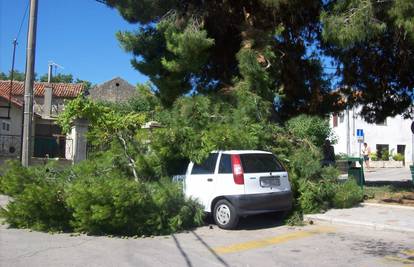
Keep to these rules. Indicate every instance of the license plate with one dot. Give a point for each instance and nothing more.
(270, 181)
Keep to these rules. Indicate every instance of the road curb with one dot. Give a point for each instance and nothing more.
(374, 226)
(396, 206)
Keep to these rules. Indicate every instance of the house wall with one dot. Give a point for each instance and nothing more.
(57, 104)
(12, 138)
(15, 118)
(396, 131)
(115, 90)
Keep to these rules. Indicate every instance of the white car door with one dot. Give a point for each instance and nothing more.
(200, 181)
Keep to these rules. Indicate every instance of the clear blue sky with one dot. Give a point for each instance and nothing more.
(77, 34)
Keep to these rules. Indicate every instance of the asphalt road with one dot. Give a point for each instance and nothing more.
(260, 241)
(387, 174)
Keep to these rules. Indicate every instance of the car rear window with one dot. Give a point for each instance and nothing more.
(256, 163)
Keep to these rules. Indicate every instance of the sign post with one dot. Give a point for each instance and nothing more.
(360, 139)
(412, 145)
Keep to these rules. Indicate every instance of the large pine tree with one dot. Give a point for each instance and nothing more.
(275, 49)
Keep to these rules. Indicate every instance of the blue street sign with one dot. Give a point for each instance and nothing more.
(360, 132)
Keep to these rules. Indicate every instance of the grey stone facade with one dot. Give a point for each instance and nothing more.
(115, 90)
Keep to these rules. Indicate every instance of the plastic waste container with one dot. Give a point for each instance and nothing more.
(356, 172)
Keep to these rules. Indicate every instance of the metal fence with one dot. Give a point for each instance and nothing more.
(10, 145)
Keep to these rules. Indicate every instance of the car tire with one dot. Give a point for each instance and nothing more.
(225, 215)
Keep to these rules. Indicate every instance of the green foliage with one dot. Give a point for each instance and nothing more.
(385, 154)
(347, 194)
(15, 178)
(295, 219)
(350, 22)
(260, 46)
(316, 195)
(398, 157)
(40, 204)
(171, 54)
(402, 12)
(59, 78)
(373, 156)
(17, 76)
(99, 198)
(372, 44)
(341, 156)
(105, 123)
(312, 128)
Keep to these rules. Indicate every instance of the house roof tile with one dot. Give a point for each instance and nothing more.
(5, 94)
(62, 90)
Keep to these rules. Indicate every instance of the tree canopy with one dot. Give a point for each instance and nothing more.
(277, 49)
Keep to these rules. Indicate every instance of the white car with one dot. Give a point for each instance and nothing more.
(235, 183)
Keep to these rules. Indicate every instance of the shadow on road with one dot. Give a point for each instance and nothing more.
(261, 221)
(185, 256)
(255, 222)
(210, 249)
(395, 185)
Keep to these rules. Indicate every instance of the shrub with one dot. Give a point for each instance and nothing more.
(398, 157)
(347, 194)
(108, 205)
(312, 128)
(15, 178)
(341, 156)
(96, 197)
(385, 154)
(373, 156)
(116, 205)
(41, 205)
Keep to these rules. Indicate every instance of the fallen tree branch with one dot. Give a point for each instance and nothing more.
(131, 164)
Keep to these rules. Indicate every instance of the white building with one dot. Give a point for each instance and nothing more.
(393, 135)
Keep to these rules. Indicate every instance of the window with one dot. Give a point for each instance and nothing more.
(401, 149)
(335, 120)
(383, 123)
(6, 126)
(256, 163)
(341, 117)
(225, 164)
(382, 151)
(206, 167)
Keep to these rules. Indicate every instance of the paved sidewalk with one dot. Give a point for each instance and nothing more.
(371, 215)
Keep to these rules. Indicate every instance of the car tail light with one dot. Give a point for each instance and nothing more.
(238, 174)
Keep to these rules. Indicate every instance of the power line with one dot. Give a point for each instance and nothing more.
(22, 21)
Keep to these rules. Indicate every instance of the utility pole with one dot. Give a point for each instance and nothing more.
(28, 86)
(348, 133)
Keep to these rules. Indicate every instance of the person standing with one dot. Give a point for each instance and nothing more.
(365, 153)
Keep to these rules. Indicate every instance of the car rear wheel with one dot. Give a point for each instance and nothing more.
(225, 215)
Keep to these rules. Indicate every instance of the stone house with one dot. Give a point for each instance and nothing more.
(48, 102)
(115, 91)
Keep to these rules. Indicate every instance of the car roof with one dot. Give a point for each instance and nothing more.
(244, 152)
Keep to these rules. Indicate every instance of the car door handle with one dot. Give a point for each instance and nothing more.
(209, 179)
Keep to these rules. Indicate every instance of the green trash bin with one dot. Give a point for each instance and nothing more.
(356, 172)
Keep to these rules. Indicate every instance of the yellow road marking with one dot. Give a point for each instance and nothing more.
(409, 252)
(402, 258)
(398, 259)
(272, 241)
